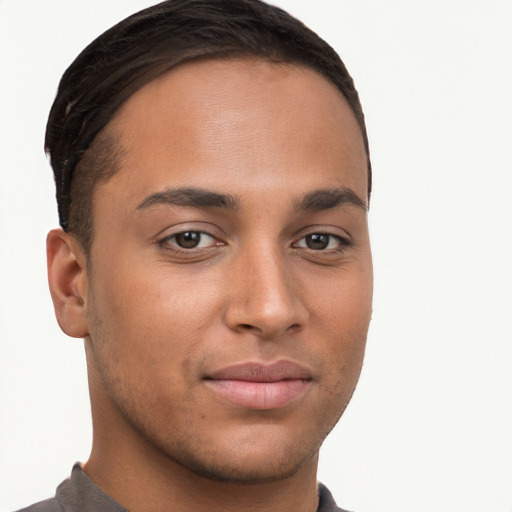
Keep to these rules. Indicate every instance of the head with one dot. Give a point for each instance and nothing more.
(213, 178)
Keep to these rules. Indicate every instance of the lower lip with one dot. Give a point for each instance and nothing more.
(260, 395)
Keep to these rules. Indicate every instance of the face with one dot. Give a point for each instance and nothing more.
(229, 284)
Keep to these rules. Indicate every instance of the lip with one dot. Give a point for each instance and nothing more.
(261, 386)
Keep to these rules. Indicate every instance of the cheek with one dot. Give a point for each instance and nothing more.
(340, 313)
(146, 318)
(343, 301)
(146, 296)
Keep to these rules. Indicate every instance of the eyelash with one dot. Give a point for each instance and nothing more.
(167, 241)
(342, 242)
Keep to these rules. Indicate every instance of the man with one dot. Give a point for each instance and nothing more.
(213, 179)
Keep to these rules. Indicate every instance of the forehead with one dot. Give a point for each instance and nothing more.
(263, 118)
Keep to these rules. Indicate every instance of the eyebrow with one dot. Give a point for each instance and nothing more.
(326, 199)
(190, 196)
(318, 200)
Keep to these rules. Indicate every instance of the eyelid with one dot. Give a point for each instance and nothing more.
(170, 238)
(340, 244)
(338, 238)
(333, 231)
(167, 235)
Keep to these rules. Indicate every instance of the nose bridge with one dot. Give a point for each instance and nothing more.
(265, 297)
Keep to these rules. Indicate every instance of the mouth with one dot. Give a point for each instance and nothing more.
(261, 386)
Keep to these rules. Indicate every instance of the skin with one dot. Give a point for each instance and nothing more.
(158, 319)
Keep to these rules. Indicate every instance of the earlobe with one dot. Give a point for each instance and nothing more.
(67, 279)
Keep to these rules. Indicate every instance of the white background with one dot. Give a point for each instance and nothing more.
(430, 425)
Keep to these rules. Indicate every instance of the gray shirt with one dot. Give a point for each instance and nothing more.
(79, 494)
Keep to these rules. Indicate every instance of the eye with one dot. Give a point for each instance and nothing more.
(321, 242)
(191, 240)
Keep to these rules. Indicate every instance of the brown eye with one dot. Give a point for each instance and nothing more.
(317, 241)
(188, 239)
(322, 242)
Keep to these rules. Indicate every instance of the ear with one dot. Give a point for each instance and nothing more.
(67, 278)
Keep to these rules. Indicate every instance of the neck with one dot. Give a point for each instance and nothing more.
(141, 488)
(145, 479)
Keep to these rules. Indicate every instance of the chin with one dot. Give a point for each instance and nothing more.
(246, 470)
(256, 456)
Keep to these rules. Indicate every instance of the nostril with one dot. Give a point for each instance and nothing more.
(248, 327)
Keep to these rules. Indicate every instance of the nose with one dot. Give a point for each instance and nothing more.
(264, 296)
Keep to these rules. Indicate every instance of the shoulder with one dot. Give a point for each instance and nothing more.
(51, 505)
(77, 494)
(326, 501)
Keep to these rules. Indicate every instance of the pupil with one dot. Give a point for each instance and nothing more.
(317, 241)
(188, 239)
